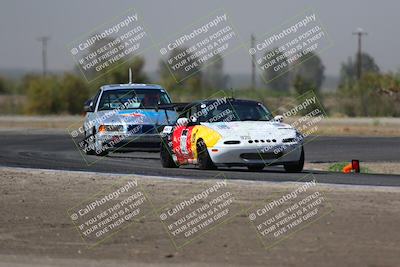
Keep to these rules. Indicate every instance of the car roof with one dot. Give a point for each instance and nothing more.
(120, 86)
(230, 99)
(187, 106)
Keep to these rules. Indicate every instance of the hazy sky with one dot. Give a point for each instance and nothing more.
(22, 21)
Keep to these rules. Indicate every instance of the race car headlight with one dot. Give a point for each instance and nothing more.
(111, 128)
(299, 136)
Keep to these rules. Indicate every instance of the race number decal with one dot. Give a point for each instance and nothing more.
(183, 142)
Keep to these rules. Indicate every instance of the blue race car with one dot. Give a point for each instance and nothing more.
(125, 117)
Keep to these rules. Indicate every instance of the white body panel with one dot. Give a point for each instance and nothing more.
(261, 142)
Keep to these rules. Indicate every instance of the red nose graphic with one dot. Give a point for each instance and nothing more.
(133, 115)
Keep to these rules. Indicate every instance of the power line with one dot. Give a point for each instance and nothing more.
(44, 40)
(359, 32)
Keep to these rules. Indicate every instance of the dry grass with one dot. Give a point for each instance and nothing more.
(328, 126)
(371, 167)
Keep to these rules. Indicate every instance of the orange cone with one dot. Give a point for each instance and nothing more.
(347, 168)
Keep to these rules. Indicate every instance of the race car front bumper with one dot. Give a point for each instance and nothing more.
(239, 155)
(116, 142)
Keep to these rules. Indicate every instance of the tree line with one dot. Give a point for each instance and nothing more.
(375, 94)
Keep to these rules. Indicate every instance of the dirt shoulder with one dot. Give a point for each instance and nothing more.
(328, 126)
(360, 229)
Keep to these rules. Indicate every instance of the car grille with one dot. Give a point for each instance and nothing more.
(142, 129)
(261, 156)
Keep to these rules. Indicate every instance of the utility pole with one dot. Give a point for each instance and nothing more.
(253, 65)
(359, 32)
(44, 40)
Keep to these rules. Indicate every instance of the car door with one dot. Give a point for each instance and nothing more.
(182, 141)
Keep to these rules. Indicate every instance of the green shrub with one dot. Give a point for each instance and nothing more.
(365, 97)
(43, 95)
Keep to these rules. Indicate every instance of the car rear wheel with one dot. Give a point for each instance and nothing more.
(297, 166)
(166, 158)
(256, 167)
(203, 158)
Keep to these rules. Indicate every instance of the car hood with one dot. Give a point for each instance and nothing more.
(237, 130)
(137, 117)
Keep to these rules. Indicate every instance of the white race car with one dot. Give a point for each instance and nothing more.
(231, 132)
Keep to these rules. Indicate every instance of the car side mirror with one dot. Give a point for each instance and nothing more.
(278, 118)
(88, 107)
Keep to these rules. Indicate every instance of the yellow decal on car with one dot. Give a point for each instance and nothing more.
(208, 135)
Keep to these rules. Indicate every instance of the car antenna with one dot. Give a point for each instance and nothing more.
(232, 93)
(130, 75)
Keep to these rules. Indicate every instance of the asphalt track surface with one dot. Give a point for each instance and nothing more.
(58, 151)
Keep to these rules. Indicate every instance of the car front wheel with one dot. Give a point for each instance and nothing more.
(87, 144)
(94, 146)
(166, 158)
(296, 166)
(203, 158)
(256, 167)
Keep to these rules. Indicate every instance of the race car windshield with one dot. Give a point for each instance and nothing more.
(233, 111)
(132, 99)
